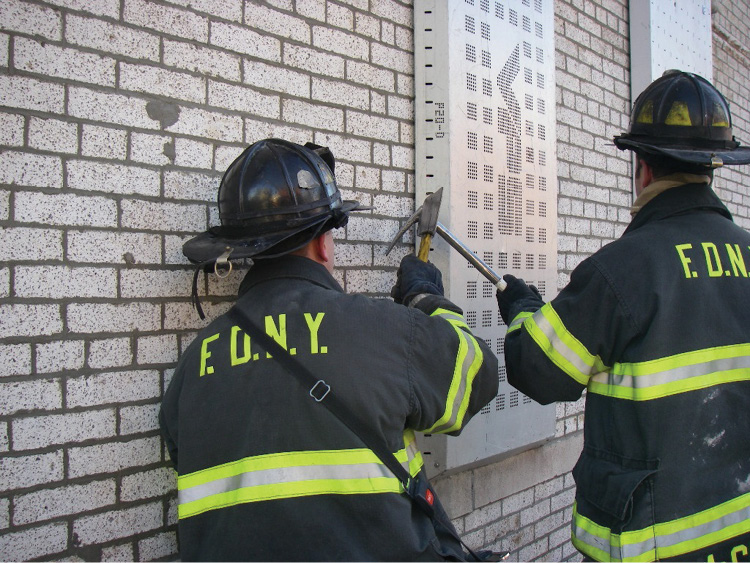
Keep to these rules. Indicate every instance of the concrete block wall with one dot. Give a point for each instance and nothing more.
(117, 120)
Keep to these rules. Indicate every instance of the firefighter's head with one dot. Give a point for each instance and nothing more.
(681, 122)
(273, 199)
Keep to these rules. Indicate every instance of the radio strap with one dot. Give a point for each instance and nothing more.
(418, 489)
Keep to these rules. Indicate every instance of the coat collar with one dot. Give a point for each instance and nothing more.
(290, 267)
(678, 200)
(664, 184)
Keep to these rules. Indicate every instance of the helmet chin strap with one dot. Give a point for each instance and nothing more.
(194, 296)
(222, 269)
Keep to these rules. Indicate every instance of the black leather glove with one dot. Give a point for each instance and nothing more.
(415, 277)
(517, 290)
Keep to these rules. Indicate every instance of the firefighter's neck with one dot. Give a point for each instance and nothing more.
(647, 186)
(320, 250)
(644, 175)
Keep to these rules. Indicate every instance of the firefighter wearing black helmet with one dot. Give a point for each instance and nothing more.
(656, 327)
(266, 473)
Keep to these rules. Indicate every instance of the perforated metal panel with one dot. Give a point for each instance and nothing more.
(485, 133)
(667, 34)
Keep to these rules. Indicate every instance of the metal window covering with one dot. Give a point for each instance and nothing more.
(484, 72)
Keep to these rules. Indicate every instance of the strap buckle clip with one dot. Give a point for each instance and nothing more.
(418, 488)
(320, 393)
(222, 266)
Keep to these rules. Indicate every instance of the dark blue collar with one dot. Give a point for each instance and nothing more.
(679, 200)
(289, 267)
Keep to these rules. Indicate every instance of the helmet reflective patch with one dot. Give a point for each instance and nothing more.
(306, 180)
(720, 118)
(678, 115)
(646, 115)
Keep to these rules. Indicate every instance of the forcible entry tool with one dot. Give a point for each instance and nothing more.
(428, 219)
(473, 259)
(427, 216)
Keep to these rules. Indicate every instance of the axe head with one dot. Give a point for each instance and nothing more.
(426, 218)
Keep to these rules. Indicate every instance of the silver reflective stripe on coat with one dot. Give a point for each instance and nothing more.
(281, 475)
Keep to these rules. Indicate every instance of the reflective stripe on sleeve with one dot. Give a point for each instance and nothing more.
(516, 323)
(638, 381)
(412, 458)
(665, 539)
(469, 359)
(293, 474)
(561, 347)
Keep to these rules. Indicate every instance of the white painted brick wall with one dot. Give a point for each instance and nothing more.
(111, 38)
(111, 457)
(30, 320)
(114, 387)
(138, 418)
(64, 501)
(157, 547)
(59, 282)
(59, 355)
(119, 118)
(34, 542)
(15, 359)
(23, 244)
(88, 318)
(122, 552)
(107, 526)
(65, 209)
(21, 472)
(110, 353)
(4, 513)
(40, 432)
(147, 484)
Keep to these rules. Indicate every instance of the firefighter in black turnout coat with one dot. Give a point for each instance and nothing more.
(656, 327)
(264, 472)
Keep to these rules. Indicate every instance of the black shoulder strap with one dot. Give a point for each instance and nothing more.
(418, 489)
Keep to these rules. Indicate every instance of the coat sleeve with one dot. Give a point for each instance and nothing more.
(452, 373)
(552, 351)
(169, 410)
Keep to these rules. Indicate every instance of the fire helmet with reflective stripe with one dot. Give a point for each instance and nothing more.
(682, 116)
(273, 199)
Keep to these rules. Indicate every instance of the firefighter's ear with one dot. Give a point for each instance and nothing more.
(319, 249)
(324, 248)
(644, 175)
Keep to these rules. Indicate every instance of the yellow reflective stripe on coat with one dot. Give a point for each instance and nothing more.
(469, 359)
(665, 539)
(638, 381)
(410, 457)
(516, 323)
(561, 347)
(675, 374)
(291, 475)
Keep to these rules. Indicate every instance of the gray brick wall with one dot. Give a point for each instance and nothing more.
(117, 119)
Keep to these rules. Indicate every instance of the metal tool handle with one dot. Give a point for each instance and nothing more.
(475, 260)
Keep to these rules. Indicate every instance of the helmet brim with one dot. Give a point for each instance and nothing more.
(706, 157)
(207, 247)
